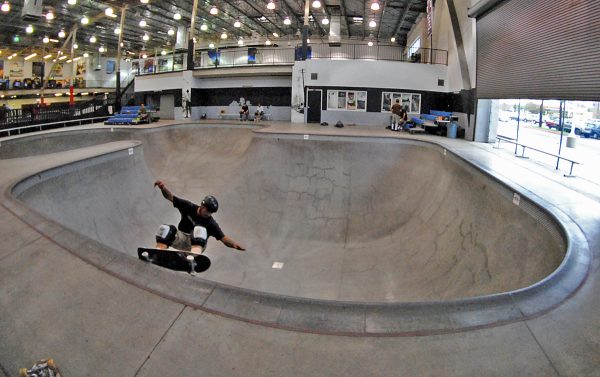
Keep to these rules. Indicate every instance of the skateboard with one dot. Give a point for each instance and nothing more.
(176, 260)
(43, 368)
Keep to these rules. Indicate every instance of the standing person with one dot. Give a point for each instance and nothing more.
(188, 104)
(194, 218)
(259, 113)
(396, 108)
(244, 112)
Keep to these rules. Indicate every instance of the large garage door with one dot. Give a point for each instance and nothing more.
(546, 49)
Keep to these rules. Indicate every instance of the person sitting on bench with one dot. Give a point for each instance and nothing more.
(259, 113)
(142, 113)
(244, 112)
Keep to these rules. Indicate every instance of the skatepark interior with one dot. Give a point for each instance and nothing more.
(355, 296)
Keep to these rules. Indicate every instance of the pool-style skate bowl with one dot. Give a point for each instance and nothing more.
(374, 236)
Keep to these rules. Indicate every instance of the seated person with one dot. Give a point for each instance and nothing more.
(259, 113)
(403, 122)
(142, 113)
(244, 112)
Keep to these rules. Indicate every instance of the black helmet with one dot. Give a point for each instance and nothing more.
(210, 203)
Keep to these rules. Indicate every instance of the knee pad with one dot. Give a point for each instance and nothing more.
(166, 234)
(199, 236)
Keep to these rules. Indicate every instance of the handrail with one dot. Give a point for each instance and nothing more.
(507, 139)
(41, 126)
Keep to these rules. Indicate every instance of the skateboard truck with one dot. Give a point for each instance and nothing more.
(192, 261)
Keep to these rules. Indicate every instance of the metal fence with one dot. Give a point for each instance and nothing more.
(56, 113)
(253, 56)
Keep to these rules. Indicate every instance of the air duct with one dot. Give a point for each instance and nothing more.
(32, 10)
(335, 37)
(182, 38)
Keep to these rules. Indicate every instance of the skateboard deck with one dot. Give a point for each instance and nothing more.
(176, 260)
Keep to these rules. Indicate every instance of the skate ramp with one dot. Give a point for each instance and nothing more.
(365, 220)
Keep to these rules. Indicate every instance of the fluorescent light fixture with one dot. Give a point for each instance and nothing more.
(71, 2)
(77, 58)
(62, 57)
(31, 56)
(144, 1)
(47, 56)
(276, 35)
(69, 61)
(53, 40)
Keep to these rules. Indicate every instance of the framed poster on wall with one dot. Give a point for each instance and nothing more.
(351, 100)
(410, 101)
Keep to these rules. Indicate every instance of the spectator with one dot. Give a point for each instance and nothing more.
(244, 112)
(142, 113)
(259, 113)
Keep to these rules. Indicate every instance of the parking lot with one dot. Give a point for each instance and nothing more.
(586, 150)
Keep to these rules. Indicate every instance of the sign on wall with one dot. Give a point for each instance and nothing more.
(411, 102)
(353, 100)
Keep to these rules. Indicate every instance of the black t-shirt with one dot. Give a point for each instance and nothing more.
(245, 108)
(190, 218)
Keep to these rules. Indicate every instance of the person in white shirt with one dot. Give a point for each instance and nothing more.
(259, 113)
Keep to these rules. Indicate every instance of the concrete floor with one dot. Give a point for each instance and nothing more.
(99, 311)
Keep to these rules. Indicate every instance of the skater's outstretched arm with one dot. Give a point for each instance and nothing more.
(164, 190)
(231, 243)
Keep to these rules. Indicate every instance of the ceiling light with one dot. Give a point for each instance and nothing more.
(78, 58)
(316, 4)
(101, 49)
(46, 39)
(370, 43)
(241, 41)
(271, 5)
(29, 29)
(68, 61)
(122, 44)
(393, 39)
(62, 57)
(171, 32)
(31, 56)
(204, 27)
(372, 23)
(211, 45)
(163, 53)
(85, 54)
(145, 37)
(144, 1)
(142, 23)
(109, 12)
(177, 16)
(268, 42)
(237, 23)
(47, 56)
(117, 30)
(71, 2)
(49, 15)
(224, 36)
(374, 5)
(93, 39)
(144, 56)
(214, 11)
(325, 21)
(276, 35)
(85, 20)
(5, 7)
(287, 21)
(62, 34)
(75, 46)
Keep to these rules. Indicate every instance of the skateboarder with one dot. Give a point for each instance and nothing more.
(195, 226)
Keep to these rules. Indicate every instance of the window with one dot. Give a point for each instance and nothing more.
(414, 48)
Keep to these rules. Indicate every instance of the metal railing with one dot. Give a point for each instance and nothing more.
(253, 56)
(35, 115)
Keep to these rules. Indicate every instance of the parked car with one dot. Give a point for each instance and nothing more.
(569, 125)
(591, 130)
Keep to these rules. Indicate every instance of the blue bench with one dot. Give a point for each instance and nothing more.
(439, 113)
(430, 117)
(129, 115)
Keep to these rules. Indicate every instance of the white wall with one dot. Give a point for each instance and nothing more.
(163, 81)
(249, 82)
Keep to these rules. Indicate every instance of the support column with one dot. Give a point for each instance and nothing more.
(190, 52)
(118, 87)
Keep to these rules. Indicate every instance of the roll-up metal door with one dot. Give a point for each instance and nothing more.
(546, 49)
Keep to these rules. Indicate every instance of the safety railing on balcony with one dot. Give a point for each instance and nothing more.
(255, 56)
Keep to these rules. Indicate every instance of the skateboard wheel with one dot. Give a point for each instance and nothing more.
(190, 258)
(23, 372)
(145, 254)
